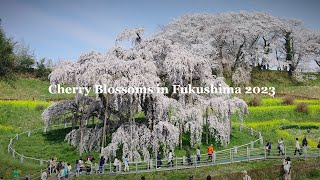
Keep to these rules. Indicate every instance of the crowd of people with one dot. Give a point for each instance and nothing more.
(64, 170)
(297, 149)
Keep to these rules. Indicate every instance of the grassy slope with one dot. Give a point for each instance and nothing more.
(29, 89)
(13, 118)
(276, 120)
(16, 117)
(285, 86)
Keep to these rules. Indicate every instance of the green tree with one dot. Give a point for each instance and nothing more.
(25, 58)
(41, 70)
(6, 57)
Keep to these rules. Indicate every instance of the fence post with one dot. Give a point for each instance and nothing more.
(17, 137)
(136, 166)
(151, 164)
(261, 138)
(231, 158)
(241, 126)
(183, 160)
(285, 151)
(235, 149)
(195, 160)
(110, 166)
(29, 133)
(265, 153)
(304, 151)
(176, 162)
(65, 125)
(41, 162)
(21, 158)
(13, 153)
(248, 153)
(252, 144)
(214, 157)
(45, 129)
(251, 131)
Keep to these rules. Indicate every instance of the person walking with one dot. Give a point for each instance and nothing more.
(77, 168)
(304, 145)
(198, 154)
(210, 152)
(126, 163)
(280, 147)
(297, 148)
(268, 148)
(101, 164)
(287, 169)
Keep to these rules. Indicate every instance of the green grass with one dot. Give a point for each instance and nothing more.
(286, 86)
(276, 121)
(17, 117)
(29, 89)
(272, 118)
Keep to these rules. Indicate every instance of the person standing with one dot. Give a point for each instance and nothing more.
(159, 160)
(210, 152)
(287, 169)
(297, 148)
(170, 158)
(69, 170)
(115, 164)
(81, 165)
(88, 165)
(188, 156)
(304, 145)
(245, 175)
(15, 173)
(126, 163)
(54, 166)
(198, 154)
(44, 175)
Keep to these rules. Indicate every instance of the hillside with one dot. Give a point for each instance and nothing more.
(271, 117)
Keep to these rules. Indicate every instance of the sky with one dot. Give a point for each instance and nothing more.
(62, 30)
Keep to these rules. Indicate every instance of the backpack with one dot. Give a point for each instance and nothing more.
(286, 168)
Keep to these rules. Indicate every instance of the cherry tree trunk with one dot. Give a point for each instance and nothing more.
(207, 128)
(81, 135)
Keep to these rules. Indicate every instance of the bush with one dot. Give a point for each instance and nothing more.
(256, 101)
(288, 100)
(307, 127)
(302, 107)
(39, 107)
